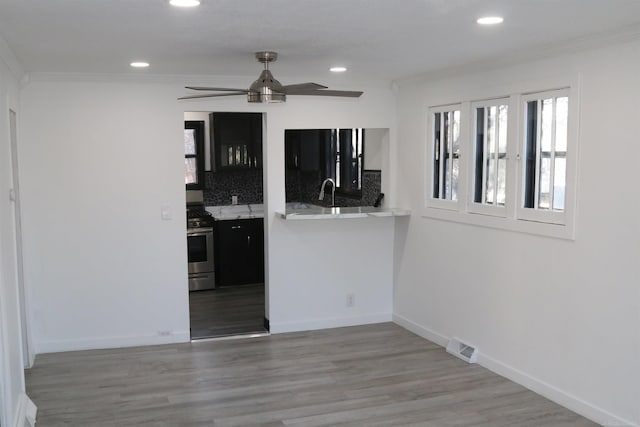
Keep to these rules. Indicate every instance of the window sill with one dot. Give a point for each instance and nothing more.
(558, 231)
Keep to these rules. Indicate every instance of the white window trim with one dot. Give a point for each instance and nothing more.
(430, 201)
(479, 208)
(538, 215)
(459, 211)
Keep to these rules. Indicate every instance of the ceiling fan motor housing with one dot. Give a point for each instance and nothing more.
(266, 89)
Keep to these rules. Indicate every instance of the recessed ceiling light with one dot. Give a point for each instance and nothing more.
(184, 3)
(490, 20)
(139, 64)
(338, 69)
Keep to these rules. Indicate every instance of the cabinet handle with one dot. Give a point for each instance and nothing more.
(248, 240)
(236, 227)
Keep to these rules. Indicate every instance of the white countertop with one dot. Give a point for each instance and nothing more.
(304, 211)
(222, 213)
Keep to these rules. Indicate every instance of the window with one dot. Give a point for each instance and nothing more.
(490, 160)
(344, 152)
(521, 167)
(446, 154)
(546, 152)
(194, 154)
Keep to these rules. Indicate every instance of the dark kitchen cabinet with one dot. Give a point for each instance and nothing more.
(237, 140)
(239, 252)
(304, 148)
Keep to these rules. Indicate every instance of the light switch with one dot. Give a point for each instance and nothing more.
(165, 212)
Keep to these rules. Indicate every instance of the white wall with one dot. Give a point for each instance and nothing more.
(562, 317)
(11, 360)
(103, 269)
(99, 160)
(376, 143)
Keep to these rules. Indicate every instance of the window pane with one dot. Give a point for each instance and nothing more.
(455, 170)
(490, 179)
(502, 182)
(502, 122)
(446, 151)
(544, 195)
(190, 141)
(546, 125)
(559, 183)
(491, 150)
(190, 171)
(436, 155)
(562, 114)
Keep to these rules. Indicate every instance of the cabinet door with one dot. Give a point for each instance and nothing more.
(240, 252)
(237, 140)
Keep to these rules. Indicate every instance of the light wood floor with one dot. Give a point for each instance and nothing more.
(227, 310)
(374, 375)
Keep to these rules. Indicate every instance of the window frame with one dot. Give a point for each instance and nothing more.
(564, 217)
(436, 202)
(516, 218)
(483, 208)
(198, 132)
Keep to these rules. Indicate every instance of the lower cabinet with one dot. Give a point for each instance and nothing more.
(239, 251)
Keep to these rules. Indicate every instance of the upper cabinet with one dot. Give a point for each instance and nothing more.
(236, 140)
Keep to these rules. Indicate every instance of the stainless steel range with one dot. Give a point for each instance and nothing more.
(200, 248)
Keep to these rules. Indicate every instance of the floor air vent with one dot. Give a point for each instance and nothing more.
(464, 351)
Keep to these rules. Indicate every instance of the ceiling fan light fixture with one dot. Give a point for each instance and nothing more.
(184, 3)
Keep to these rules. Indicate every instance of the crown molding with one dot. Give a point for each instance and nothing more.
(10, 60)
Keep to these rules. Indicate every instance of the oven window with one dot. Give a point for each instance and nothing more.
(197, 248)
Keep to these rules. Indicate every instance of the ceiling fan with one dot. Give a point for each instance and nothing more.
(268, 89)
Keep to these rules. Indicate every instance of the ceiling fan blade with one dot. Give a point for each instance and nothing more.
(345, 93)
(211, 95)
(220, 89)
(301, 87)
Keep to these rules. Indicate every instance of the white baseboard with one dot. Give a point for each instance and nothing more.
(111, 342)
(310, 325)
(542, 388)
(25, 412)
(421, 331)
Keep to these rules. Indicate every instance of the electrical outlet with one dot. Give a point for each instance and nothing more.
(351, 300)
(234, 200)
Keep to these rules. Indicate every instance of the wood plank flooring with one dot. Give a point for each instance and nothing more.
(373, 376)
(227, 310)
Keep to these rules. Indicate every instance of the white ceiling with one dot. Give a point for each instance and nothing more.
(376, 39)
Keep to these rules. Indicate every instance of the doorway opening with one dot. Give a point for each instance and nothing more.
(225, 223)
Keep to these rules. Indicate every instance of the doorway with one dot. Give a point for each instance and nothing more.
(226, 197)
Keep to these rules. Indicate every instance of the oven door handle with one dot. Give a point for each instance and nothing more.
(199, 233)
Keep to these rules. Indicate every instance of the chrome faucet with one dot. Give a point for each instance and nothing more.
(333, 191)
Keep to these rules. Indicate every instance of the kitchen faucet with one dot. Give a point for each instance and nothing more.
(333, 191)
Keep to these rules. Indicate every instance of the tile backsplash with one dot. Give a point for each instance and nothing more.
(220, 186)
(305, 186)
(300, 187)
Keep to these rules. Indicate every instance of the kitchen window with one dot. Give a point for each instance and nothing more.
(194, 154)
(445, 153)
(344, 152)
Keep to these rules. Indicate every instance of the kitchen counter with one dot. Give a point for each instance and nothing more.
(304, 211)
(222, 213)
